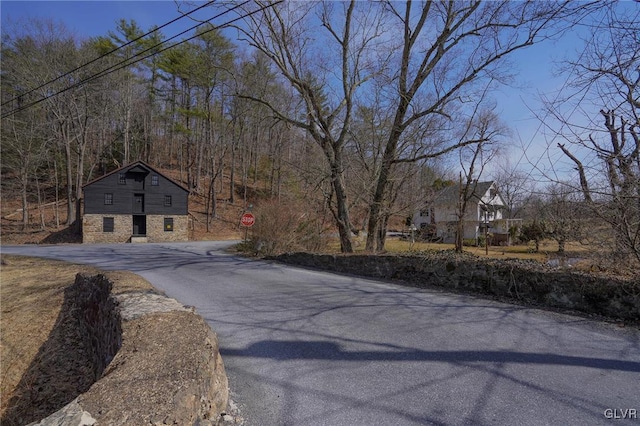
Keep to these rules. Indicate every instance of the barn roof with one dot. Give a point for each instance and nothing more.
(137, 166)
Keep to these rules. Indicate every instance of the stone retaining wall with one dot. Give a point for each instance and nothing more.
(85, 338)
(155, 361)
(524, 281)
(98, 320)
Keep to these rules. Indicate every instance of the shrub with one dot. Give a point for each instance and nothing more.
(287, 226)
(469, 242)
(534, 231)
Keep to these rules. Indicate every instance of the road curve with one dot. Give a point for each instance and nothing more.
(305, 347)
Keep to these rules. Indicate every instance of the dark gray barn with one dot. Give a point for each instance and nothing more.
(135, 203)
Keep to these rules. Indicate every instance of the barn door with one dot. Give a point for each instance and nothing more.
(139, 225)
(138, 203)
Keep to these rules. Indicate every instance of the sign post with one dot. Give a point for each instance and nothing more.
(247, 220)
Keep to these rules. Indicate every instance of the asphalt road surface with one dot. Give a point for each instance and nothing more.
(304, 347)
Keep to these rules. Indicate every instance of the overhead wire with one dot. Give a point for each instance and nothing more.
(127, 62)
(120, 65)
(112, 51)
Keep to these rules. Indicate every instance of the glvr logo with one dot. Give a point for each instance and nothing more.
(621, 413)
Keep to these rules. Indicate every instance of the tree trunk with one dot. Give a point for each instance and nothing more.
(232, 176)
(375, 211)
(25, 202)
(342, 220)
(211, 198)
(71, 215)
(462, 207)
(459, 236)
(200, 158)
(57, 186)
(40, 208)
(382, 233)
(214, 203)
(561, 245)
(127, 124)
(374, 224)
(342, 210)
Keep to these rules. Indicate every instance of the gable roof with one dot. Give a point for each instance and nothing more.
(137, 166)
(450, 195)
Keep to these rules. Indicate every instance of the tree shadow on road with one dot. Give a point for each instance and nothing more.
(324, 350)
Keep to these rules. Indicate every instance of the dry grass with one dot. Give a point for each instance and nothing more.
(31, 295)
(548, 249)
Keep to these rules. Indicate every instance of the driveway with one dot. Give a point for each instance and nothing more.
(304, 347)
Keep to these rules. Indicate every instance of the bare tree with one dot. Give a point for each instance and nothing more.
(284, 33)
(22, 133)
(515, 186)
(600, 122)
(23, 152)
(561, 215)
(445, 47)
(480, 139)
(47, 53)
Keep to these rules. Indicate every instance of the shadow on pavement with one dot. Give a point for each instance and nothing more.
(323, 350)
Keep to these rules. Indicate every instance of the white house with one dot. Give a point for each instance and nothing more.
(485, 206)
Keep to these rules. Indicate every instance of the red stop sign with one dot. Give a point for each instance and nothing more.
(247, 220)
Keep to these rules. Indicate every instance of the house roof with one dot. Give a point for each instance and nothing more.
(137, 166)
(450, 195)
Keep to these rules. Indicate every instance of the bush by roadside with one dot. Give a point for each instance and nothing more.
(283, 226)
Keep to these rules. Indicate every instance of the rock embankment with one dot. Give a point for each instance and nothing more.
(85, 338)
(526, 282)
(156, 362)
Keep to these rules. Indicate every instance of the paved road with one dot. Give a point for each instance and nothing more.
(311, 348)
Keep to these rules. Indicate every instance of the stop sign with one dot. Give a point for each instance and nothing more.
(247, 220)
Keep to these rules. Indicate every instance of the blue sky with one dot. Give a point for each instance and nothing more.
(94, 18)
(534, 67)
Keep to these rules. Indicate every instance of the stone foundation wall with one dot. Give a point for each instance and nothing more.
(156, 232)
(526, 282)
(92, 229)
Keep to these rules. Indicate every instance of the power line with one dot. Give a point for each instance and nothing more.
(108, 53)
(126, 63)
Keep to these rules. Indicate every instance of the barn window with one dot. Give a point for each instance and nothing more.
(122, 179)
(168, 224)
(167, 201)
(108, 199)
(107, 224)
(154, 180)
(424, 213)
